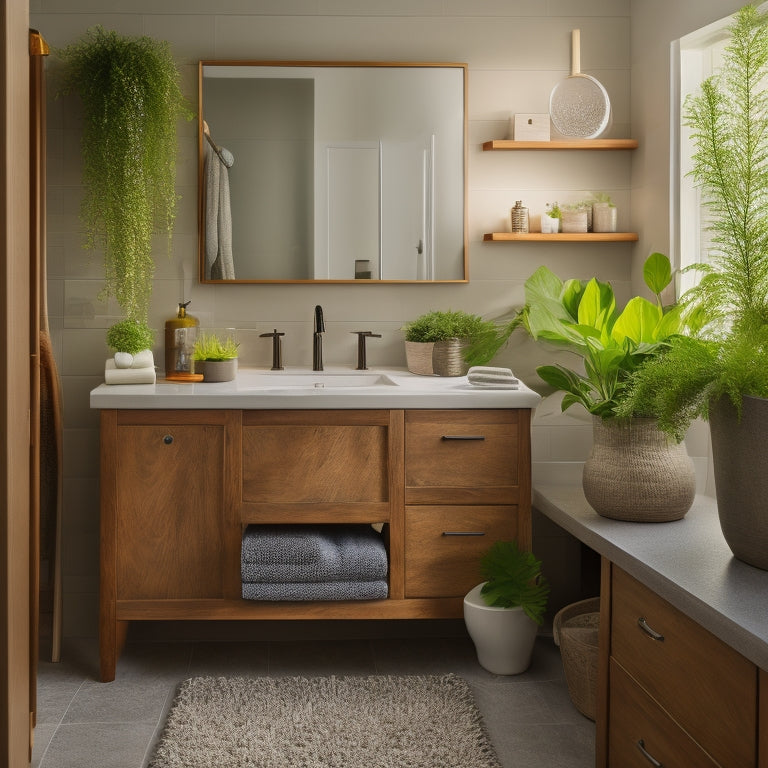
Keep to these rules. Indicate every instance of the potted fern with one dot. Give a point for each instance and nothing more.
(634, 472)
(504, 612)
(720, 373)
(129, 88)
(435, 341)
(215, 356)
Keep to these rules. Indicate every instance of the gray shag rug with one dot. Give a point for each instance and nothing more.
(325, 722)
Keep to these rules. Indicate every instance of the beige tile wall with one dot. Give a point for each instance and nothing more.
(516, 51)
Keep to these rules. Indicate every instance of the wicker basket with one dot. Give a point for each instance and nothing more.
(447, 357)
(576, 629)
(418, 355)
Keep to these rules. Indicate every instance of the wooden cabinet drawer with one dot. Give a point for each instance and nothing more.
(637, 724)
(707, 687)
(443, 548)
(462, 457)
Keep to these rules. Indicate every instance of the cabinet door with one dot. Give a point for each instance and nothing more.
(170, 485)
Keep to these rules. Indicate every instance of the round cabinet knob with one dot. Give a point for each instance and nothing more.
(168, 439)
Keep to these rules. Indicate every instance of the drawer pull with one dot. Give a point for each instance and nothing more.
(643, 624)
(463, 533)
(168, 439)
(648, 756)
(463, 437)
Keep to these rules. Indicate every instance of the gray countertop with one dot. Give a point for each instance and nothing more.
(687, 562)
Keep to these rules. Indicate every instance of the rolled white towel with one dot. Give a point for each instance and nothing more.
(114, 375)
(143, 359)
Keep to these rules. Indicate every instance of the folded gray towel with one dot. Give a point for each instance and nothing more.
(332, 590)
(280, 554)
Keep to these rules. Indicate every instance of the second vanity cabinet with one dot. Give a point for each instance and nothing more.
(178, 488)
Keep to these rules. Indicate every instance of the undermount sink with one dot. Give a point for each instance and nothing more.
(312, 380)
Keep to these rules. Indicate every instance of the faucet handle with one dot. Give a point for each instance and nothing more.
(361, 337)
(277, 348)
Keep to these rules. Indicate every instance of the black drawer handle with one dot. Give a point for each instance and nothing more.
(643, 624)
(463, 533)
(168, 439)
(648, 756)
(463, 437)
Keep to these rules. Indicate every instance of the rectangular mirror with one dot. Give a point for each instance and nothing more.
(332, 172)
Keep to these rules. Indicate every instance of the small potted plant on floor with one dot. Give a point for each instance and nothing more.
(435, 341)
(215, 357)
(635, 472)
(503, 613)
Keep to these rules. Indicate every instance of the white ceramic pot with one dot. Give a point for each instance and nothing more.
(503, 637)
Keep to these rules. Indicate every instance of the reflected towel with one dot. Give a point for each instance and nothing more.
(219, 264)
(332, 590)
(114, 375)
(312, 553)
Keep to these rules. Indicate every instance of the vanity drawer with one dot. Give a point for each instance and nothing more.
(444, 544)
(462, 457)
(707, 687)
(637, 724)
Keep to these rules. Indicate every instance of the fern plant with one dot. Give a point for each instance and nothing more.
(513, 578)
(729, 356)
(439, 325)
(131, 99)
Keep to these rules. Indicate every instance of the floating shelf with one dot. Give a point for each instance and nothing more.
(562, 237)
(594, 144)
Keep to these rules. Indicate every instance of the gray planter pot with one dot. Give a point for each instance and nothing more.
(740, 460)
(636, 473)
(217, 370)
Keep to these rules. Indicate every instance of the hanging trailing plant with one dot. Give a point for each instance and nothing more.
(131, 98)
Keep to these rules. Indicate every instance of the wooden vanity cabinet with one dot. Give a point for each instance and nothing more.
(674, 693)
(178, 488)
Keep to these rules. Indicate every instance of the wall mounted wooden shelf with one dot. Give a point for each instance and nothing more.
(593, 144)
(562, 237)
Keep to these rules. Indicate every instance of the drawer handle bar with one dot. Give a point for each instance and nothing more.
(648, 756)
(643, 624)
(463, 437)
(463, 533)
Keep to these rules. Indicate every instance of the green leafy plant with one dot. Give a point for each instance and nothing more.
(439, 325)
(554, 211)
(513, 578)
(728, 353)
(131, 99)
(211, 347)
(603, 197)
(130, 336)
(582, 318)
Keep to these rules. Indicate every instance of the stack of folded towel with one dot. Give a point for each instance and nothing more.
(492, 378)
(124, 368)
(313, 562)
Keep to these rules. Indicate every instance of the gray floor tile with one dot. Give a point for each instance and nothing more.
(236, 659)
(106, 745)
(43, 735)
(328, 657)
(122, 701)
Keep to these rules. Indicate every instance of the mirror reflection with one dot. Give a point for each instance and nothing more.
(332, 172)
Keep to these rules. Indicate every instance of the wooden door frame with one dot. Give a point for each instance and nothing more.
(15, 710)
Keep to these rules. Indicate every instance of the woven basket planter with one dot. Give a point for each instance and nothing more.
(447, 358)
(636, 473)
(418, 355)
(575, 629)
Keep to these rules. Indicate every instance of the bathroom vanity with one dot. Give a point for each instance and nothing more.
(683, 639)
(445, 468)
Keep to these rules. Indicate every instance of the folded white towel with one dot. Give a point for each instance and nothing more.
(487, 370)
(495, 384)
(114, 375)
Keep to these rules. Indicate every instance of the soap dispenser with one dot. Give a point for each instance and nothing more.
(180, 336)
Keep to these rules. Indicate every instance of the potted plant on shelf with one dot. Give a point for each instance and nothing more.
(504, 612)
(635, 471)
(131, 99)
(215, 357)
(720, 372)
(435, 341)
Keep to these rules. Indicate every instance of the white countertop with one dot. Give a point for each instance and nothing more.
(402, 390)
(687, 562)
